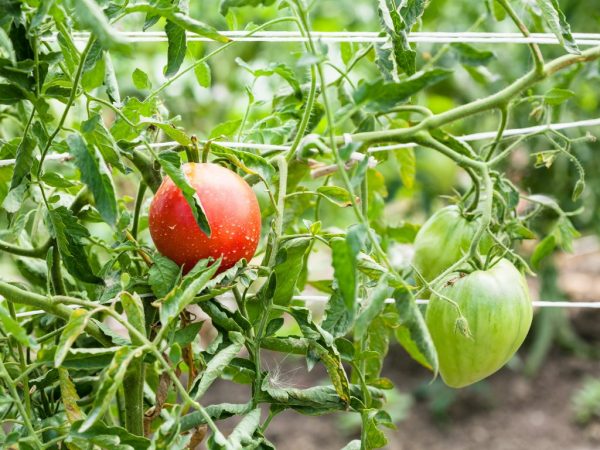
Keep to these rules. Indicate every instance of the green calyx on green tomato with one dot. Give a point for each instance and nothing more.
(494, 319)
(443, 240)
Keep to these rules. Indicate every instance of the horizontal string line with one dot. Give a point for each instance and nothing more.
(584, 39)
(467, 138)
(325, 299)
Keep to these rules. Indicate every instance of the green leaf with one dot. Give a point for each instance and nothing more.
(412, 333)
(96, 175)
(344, 253)
(110, 80)
(226, 4)
(397, 22)
(381, 96)
(141, 80)
(273, 69)
(249, 162)
(408, 166)
(216, 365)
(556, 21)
(404, 233)
(184, 294)
(336, 195)
(55, 179)
(542, 250)
(472, 56)
(203, 74)
(374, 307)
(242, 434)
(90, 15)
(163, 275)
(557, 96)
(24, 161)
(69, 397)
(12, 328)
(105, 436)
(273, 326)
(109, 383)
(186, 335)
(338, 319)
(225, 129)
(177, 46)
(171, 164)
(288, 266)
(134, 309)
(75, 326)
(68, 234)
(177, 134)
(96, 134)
(9, 94)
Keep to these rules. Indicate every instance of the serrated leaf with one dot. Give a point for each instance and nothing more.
(288, 266)
(24, 160)
(374, 306)
(75, 326)
(90, 15)
(109, 383)
(69, 397)
(68, 234)
(134, 310)
(226, 4)
(412, 333)
(184, 294)
(556, 21)
(14, 329)
(408, 166)
(380, 96)
(96, 175)
(216, 365)
(557, 96)
(336, 195)
(249, 162)
(163, 275)
(55, 179)
(177, 47)
(171, 164)
(105, 436)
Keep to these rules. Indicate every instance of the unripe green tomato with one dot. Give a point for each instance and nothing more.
(443, 240)
(498, 313)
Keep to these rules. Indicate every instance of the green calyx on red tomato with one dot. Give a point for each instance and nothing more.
(443, 240)
(494, 319)
(231, 208)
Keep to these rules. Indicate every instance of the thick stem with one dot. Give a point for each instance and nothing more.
(58, 283)
(51, 306)
(139, 199)
(133, 387)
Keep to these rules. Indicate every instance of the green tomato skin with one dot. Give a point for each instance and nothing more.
(498, 311)
(442, 241)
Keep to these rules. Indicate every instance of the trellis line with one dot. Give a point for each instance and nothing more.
(315, 299)
(583, 39)
(267, 147)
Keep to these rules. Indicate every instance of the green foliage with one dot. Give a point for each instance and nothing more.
(109, 372)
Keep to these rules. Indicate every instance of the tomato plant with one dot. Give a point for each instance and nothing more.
(158, 227)
(232, 213)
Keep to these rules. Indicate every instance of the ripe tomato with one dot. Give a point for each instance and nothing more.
(231, 208)
(443, 240)
(496, 305)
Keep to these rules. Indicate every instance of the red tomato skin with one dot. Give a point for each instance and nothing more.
(231, 208)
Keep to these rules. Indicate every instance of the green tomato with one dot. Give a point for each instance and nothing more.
(498, 313)
(443, 240)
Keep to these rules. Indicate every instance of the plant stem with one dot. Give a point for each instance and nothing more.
(139, 199)
(10, 385)
(51, 306)
(58, 283)
(133, 388)
(22, 363)
(538, 59)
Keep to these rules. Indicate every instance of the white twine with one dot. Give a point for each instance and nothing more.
(315, 299)
(583, 39)
(359, 156)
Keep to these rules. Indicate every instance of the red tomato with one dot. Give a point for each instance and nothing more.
(231, 208)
